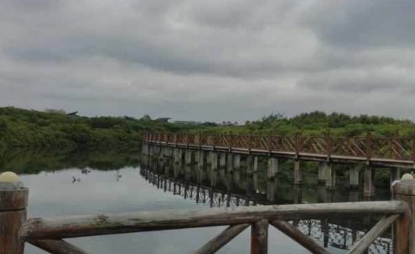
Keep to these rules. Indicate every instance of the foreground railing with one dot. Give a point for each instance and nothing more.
(48, 233)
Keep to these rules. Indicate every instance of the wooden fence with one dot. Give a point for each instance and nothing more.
(375, 150)
(49, 233)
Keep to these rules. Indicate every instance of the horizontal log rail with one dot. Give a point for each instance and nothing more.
(102, 224)
(47, 233)
(368, 149)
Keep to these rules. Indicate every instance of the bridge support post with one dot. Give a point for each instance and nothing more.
(237, 162)
(272, 186)
(176, 169)
(13, 204)
(213, 168)
(222, 161)
(298, 178)
(330, 176)
(404, 228)
(354, 177)
(230, 163)
(255, 163)
(272, 167)
(177, 155)
(255, 173)
(200, 165)
(369, 182)
(188, 157)
(297, 194)
(321, 194)
(322, 172)
(395, 174)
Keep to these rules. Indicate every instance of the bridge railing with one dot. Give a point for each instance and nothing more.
(368, 148)
(49, 233)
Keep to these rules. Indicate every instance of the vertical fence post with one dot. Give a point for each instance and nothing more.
(259, 237)
(13, 203)
(329, 145)
(369, 149)
(404, 230)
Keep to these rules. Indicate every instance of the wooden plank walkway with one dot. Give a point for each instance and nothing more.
(375, 151)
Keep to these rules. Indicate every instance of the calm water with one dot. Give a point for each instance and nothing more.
(114, 182)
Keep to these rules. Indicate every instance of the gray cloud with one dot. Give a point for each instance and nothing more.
(208, 60)
(363, 24)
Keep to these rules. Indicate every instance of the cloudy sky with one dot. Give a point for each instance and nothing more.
(209, 60)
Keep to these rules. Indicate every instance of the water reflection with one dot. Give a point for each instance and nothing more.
(113, 181)
(232, 188)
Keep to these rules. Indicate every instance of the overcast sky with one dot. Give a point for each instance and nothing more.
(209, 60)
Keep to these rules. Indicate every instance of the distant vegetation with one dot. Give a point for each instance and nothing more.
(320, 123)
(57, 129)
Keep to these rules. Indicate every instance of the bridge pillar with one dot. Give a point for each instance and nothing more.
(255, 175)
(236, 176)
(222, 161)
(298, 178)
(176, 169)
(249, 164)
(178, 155)
(255, 163)
(354, 177)
(213, 168)
(230, 163)
(369, 182)
(297, 194)
(322, 172)
(188, 157)
(321, 194)
(330, 176)
(272, 186)
(272, 167)
(395, 174)
(200, 165)
(237, 162)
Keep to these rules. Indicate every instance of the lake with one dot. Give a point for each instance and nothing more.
(79, 182)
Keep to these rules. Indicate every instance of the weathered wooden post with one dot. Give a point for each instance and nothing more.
(404, 230)
(13, 204)
(259, 237)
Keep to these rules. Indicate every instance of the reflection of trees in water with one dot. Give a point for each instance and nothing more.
(31, 161)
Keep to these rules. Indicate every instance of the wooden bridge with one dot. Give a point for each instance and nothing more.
(394, 153)
(378, 151)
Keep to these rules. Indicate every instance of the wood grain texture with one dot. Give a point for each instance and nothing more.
(57, 247)
(222, 239)
(295, 234)
(101, 224)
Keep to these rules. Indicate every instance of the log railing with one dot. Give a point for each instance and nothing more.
(367, 148)
(49, 233)
(46, 233)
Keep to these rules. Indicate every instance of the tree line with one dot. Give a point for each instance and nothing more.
(56, 129)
